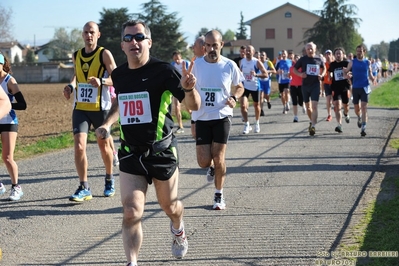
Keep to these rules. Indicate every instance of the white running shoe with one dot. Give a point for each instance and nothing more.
(210, 174)
(247, 129)
(179, 244)
(16, 193)
(284, 110)
(218, 202)
(2, 189)
(179, 130)
(257, 128)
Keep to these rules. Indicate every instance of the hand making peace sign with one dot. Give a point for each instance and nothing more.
(188, 80)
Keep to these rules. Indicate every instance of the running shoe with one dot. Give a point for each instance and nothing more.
(16, 193)
(269, 105)
(329, 118)
(284, 110)
(338, 129)
(347, 118)
(287, 107)
(312, 131)
(81, 194)
(109, 188)
(2, 189)
(116, 159)
(359, 122)
(363, 131)
(219, 203)
(210, 175)
(310, 126)
(257, 128)
(262, 113)
(179, 244)
(179, 130)
(296, 119)
(247, 129)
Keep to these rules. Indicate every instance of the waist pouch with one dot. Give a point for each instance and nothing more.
(156, 147)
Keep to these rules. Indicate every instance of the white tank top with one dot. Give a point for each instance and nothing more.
(250, 82)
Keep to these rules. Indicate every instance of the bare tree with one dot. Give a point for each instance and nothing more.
(5, 24)
(64, 43)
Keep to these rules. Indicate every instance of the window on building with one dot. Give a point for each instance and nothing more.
(270, 34)
(288, 14)
(289, 33)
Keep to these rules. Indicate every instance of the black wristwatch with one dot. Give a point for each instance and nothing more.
(234, 98)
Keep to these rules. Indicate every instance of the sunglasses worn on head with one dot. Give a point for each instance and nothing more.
(139, 37)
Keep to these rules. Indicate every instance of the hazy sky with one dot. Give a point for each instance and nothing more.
(34, 22)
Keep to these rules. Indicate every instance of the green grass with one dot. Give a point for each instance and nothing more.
(394, 144)
(378, 230)
(386, 95)
(62, 141)
(65, 140)
(382, 230)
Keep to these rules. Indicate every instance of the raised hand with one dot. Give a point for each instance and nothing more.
(188, 80)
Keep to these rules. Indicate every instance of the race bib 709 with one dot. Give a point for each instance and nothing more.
(134, 108)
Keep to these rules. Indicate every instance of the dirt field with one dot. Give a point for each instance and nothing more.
(47, 114)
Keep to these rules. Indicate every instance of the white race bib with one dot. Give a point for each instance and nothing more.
(213, 96)
(338, 74)
(367, 89)
(134, 108)
(312, 70)
(248, 76)
(285, 75)
(87, 93)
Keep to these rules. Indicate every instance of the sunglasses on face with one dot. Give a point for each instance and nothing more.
(139, 37)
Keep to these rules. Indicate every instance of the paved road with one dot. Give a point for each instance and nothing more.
(288, 196)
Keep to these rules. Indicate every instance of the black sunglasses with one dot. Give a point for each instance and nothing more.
(139, 37)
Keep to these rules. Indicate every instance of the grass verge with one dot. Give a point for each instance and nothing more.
(378, 230)
(62, 141)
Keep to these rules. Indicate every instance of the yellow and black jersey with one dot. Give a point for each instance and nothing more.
(87, 97)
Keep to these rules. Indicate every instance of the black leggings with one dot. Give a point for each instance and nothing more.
(296, 95)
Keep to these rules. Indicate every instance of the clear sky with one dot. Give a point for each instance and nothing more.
(34, 22)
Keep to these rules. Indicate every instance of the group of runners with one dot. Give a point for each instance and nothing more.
(304, 78)
(210, 86)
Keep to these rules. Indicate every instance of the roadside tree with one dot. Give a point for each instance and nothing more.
(5, 24)
(110, 25)
(164, 30)
(336, 26)
(242, 30)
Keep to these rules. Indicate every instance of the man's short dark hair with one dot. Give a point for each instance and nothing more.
(176, 53)
(130, 23)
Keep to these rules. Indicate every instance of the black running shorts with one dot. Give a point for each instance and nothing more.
(217, 131)
(161, 165)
